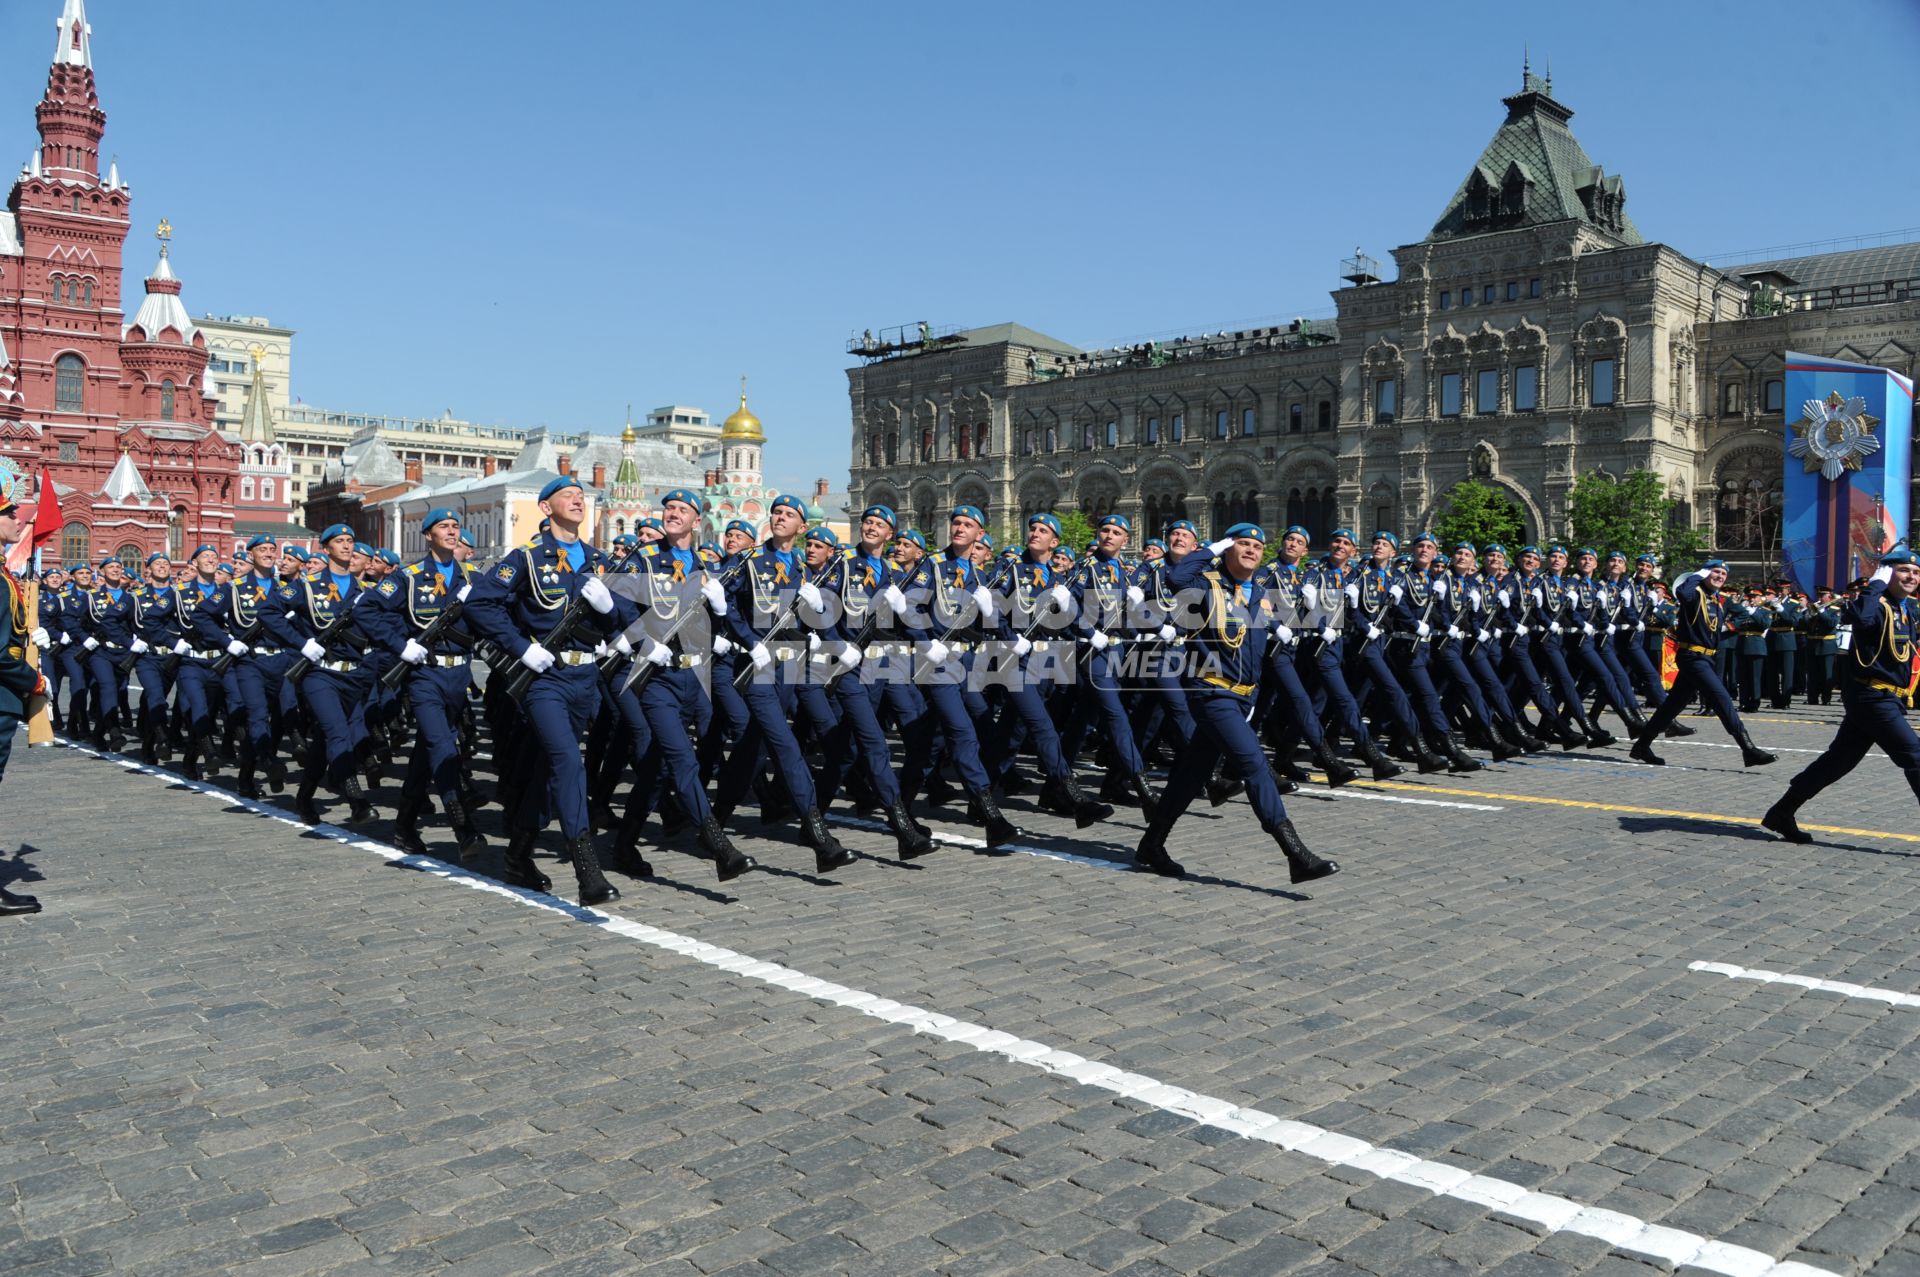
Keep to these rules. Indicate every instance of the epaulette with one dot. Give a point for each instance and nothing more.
(413, 569)
(650, 549)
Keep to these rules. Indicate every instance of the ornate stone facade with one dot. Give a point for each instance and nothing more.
(1530, 337)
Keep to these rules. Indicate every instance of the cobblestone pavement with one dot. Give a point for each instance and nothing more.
(235, 1045)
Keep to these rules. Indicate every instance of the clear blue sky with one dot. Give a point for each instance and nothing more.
(540, 212)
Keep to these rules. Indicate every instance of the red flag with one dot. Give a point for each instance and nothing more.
(47, 523)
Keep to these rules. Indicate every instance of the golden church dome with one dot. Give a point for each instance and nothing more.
(743, 425)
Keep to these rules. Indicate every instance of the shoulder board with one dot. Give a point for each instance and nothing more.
(413, 569)
(757, 554)
(532, 545)
(649, 549)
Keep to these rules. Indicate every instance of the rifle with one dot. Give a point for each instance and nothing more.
(522, 677)
(335, 628)
(786, 618)
(637, 677)
(249, 636)
(440, 624)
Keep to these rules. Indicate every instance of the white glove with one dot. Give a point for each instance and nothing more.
(895, 600)
(236, 648)
(1505, 597)
(65, 639)
(313, 651)
(182, 648)
(716, 596)
(983, 599)
(849, 656)
(760, 656)
(1136, 595)
(720, 645)
(1327, 635)
(601, 650)
(1310, 595)
(1454, 632)
(1063, 597)
(1612, 629)
(623, 645)
(938, 652)
(1554, 628)
(598, 597)
(1539, 599)
(810, 595)
(1422, 629)
(1022, 645)
(1884, 575)
(1168, 633)
(1587, 630)
(1440, 587)
(1353, 594)
(1099, 641)
(42, 639)
(654, 652)
(1520, 629)
(1221, 546)
(414, 654)
(1483, 634)
(537, 658)
(93, 643)
(1640, 628)
(1373, 631)
(138, 645)
(813, 642)
(1479, 600)
(464, 591)
(1397, 591)
(1284, 634)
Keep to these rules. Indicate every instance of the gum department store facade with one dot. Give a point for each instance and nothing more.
(1531, 337)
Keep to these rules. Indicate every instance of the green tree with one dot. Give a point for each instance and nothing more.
(1479, 512)
(1633, 515)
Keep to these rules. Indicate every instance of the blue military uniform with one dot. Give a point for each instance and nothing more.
(156, 629)
(1877, 689)
(1783, 650)
(1698, 622)
(107, 618)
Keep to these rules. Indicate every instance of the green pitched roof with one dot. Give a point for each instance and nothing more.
(1534, 172)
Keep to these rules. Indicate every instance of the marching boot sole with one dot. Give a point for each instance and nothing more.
(1756, 758)
(917, 848)
(1785, 826)
(409, 841)
(1162, 867)
(1323, 869)
(1387, 772)
(599, 895)
(1091, 814)
(827, 861)
(730, 869)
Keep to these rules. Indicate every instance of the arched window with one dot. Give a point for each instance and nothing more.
(926, 445)
(86, 292)
(266, 489)
(69, 384)
(76, 545)
(893, 449)
(1053, 439)
(1029, 442)
(980, 440)
(963, 441)
(177, 534)
(1326, 416)
(246, 489)
(166, 401)
(130, 556)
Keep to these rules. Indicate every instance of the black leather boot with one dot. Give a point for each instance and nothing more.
(1642, 751)
(1636, 721)
(625, 856)
(1283, 765)
(912, 842)
(473, 846)
(1302, 865)
(303, 804)
(1220, 787)
(1501, 748)
(1338, 773)
(246, 786)
(1678, 728)
(361, 810)
(1144, 794)
(939, 792)
(1597, 738)
(1086, 811)
(518, 869)
(728, 861)
(1384, 768)
(594, 887)
(406, 824)
(776, 804)
(1751, 755)
(1779, 819)
(276, 773)
(986, 813)
(1458, 760)
(190, 761)
(828, 854)
(1015, 781)
(1151, 855)
(1526, 740)
(674, 816)
(1117, 789)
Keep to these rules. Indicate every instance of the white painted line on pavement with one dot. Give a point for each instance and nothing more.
(1864, 992)
(1554, 1213)
(1714, 744)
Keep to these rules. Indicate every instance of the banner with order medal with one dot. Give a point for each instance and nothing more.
(1848, 469)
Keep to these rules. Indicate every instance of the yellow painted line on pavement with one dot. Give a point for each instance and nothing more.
(1705, 818)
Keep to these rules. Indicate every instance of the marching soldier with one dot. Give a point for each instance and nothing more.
(1698, 620)
(1878, 689)
(156, 629)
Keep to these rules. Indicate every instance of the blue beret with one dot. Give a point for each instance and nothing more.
(1648, 558)
(791, 502)
(1050, 521)
(1118, 521)
(1586, 550)
(156, 555)
(686, 496)
(1616, 554)
(466, 538)
(554, 485)
(1898, 556)
(1463, 545)
(437, 515)
(969, 512)
(710, 549)
(336, 530)
(822, 533)
(1066, 550)
(361, 547)
(1182, 525)
(1389, 538)
(986, 540)
(389, 556)
(1341, 534)
(915, 537)
(1493, 547)
(1253, 530)
(741, 525)
(627, 539)
(881, 512)
(1714, 564)
(1154, 543)
(1295, 529)
(1428, 537)
(223, 566)
(199, 550)
(1556, 548)
(298, 554)
(260, 539)
(650, 522)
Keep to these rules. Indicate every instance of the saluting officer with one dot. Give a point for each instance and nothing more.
(1877, 692)
(1697, 623)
